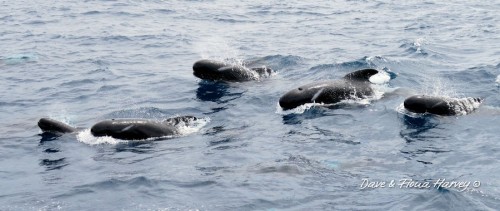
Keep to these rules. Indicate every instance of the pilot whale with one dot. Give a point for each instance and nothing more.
(221, 71)
(126, 129)
(441, 105)
(354, 85)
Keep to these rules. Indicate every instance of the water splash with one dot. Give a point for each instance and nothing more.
(217, 48)
(63, 117)
(418, 44)
(465, 105)
(378, 92)
(434, 86)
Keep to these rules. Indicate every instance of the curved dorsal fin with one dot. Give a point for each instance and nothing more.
(361, 75)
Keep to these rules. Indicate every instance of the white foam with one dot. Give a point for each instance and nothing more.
(255, 75)
(186, 128)
(298, 110)
(378, 93)
(498, 80)
(86, 137)
(418, 44)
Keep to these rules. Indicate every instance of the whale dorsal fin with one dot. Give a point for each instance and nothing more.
(361, 75)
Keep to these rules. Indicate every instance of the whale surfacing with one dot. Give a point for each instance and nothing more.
(355, 85)
(444, 106)
(221, 71)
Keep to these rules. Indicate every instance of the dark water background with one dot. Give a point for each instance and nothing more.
(85, 61)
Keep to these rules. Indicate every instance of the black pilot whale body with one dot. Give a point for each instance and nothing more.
(441, 105)
(221, 71)
(132, 129)
(354, 85)
(126, 129)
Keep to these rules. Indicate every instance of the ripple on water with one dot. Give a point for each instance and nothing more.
(146, 183)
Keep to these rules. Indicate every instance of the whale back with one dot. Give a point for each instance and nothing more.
(207, 69)
(236, 73)
(54, 126)
(132, 129)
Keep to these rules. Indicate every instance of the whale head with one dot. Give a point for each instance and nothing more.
(208, 69)
(51, 125)
(220, 71)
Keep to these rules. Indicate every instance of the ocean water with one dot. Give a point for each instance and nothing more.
(85, 61)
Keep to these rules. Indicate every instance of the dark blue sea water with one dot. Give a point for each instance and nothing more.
(85, 61)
